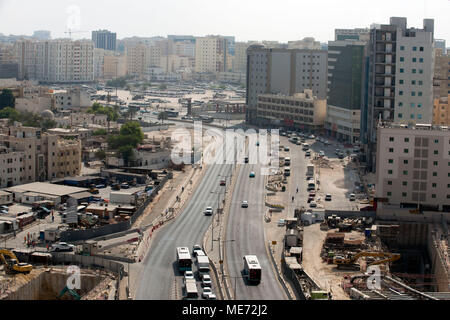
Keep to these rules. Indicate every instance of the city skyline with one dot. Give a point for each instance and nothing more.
(245, 20)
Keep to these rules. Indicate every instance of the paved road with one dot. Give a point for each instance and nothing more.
(245, 226)
(160, 272)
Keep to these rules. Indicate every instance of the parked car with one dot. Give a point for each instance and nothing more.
(252, 174)
(337, 151)
(62, 247)
(244, 204)
(310, 199)
(312, 137)
(100, 186)
(328, 197)
(286, 149)
(246, 160)
(322, 154)
(313, 204)
(125, 186)
(308, 154)
(352, 197)
(115, 186)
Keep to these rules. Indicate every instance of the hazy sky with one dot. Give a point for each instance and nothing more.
(280, 20)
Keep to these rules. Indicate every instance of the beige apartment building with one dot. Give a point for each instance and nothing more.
(441, 79)
(114, 67)
(44, 156)
(441, 111)
(12, 167)
(141, 57)
(413, 166)
(302, 110)
(211, 55)
(63, 157)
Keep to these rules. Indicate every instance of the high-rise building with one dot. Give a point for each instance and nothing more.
(284, 71)
(42, 35)
(140, 57)
(412, 166)
(104, 39)
(306, 43)
(441, 78)
(440, 44)
(357, 34)
(9, 67)
(346, 89)
(211, 54)
(62, 61)
(401, 65)
(240, 57)
(441, 111)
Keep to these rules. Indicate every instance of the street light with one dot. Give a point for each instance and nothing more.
(235, 283)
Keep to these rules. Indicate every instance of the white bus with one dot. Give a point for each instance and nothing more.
(252, 269)
(184, 259)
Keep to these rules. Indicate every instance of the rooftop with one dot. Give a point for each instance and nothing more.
(418, 126)
(46, 188)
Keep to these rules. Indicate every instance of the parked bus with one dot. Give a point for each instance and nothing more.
(184, 259)
(252, 269)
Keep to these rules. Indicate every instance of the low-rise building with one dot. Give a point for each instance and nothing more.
(73, 99)
(413, 166)
(302, 110)
(343, 123)
(12, 167)
(441, 111)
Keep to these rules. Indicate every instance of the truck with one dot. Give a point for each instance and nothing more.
(203, 266)
(310, 170)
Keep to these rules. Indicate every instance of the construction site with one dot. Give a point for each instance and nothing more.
(42, 277)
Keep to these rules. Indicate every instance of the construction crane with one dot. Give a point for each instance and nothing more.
(350, 262)
(12, 264)
(70, 33)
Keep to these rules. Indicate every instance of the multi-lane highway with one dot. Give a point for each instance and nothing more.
(160, 273)
(246, 227)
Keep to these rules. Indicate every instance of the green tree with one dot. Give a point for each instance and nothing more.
(10, 113)
(7, 99)
(162, 116)
(111, 113)
(129, 137)
(100, 132)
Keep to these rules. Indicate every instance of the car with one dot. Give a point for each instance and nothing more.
(310, 179)
(328, 197)
(352, 197)
(223, 183)
(62, 247)
(308, 154)
(313, 204)
(125, 186)
(209, 211)
(312, 194)
(115, 186)
(252, 175)
(257, 144)
(188, 275)
(326, 142)
(310, 199)
(312, 137)
(246, 160)
(341, 156)
(337, 151)
(208, 294)
(4, 212)
(283, 134)
(206, 281)
(321, 154)
(196, 248)
(100, 186)
(286, 149)
(244, 204)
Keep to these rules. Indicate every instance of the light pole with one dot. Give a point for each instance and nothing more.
(235, 284)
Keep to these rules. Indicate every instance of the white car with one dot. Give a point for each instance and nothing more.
(208, 294)
(206, 282)
(312, 137)
(209, 211)
(322, 154)
(196, 247)
(188, 275)
(244, 204)
(313, 204)
(62, 247)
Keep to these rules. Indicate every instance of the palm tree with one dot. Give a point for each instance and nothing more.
(162, 116)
